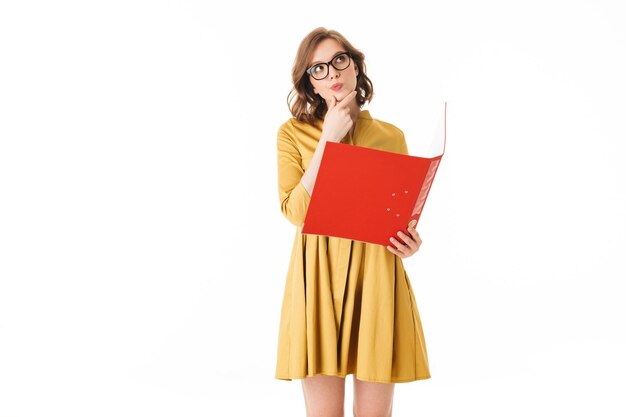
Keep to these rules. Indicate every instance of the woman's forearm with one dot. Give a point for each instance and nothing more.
(310, 175)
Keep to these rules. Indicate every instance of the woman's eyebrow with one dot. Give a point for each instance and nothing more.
(319, 62)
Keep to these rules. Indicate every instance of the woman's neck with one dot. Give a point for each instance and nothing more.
(355, 110)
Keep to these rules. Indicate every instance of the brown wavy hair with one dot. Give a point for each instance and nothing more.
(304, 104)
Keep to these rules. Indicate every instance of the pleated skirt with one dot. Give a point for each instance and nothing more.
(349, 308)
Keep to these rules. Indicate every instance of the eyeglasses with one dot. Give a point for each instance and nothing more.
(339, 62)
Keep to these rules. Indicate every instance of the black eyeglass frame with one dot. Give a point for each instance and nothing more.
(328, 64)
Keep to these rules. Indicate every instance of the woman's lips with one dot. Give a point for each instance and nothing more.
(336, 87)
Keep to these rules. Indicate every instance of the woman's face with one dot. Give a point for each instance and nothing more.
(324, 52)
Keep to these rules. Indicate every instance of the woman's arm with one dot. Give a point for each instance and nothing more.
(295, 186)
(309, 177)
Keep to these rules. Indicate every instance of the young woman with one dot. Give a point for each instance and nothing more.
(348, 306)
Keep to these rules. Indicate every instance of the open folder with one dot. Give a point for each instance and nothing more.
(369, 194)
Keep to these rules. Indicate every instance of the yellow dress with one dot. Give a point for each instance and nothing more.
(348, 306)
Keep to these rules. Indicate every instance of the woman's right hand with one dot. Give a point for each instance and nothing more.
(337, 121)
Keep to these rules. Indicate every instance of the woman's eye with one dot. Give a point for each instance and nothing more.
(317, 68)
(340, 58)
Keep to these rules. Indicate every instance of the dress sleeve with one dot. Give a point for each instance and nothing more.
(403, 145)
(293, 197)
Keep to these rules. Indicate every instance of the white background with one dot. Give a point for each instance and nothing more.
(143, 253)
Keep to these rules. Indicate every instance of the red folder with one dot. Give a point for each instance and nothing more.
(369, 194)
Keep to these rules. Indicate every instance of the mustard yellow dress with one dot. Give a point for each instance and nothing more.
(348, 306)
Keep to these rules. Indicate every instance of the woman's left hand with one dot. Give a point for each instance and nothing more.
(411, 243)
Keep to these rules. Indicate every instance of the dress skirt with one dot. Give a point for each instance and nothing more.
(349, 308)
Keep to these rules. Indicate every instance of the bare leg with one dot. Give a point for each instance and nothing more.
(372, 399)
(324, 395)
